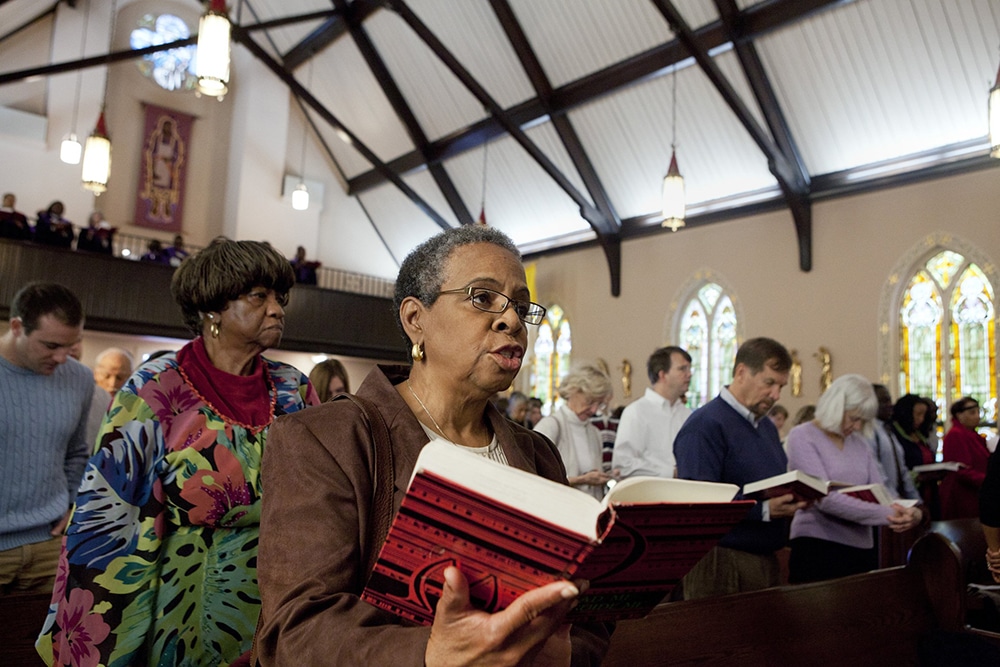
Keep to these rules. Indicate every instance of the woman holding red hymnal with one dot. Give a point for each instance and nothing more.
(335, 477)
(833, 537)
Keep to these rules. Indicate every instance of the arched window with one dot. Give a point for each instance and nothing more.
(707, 329)
(947, 333)
(551, 350)
(937, 324)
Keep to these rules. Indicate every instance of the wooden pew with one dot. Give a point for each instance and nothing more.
(906, 615)
(21, 618)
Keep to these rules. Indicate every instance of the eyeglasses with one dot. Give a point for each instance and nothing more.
(491, 301)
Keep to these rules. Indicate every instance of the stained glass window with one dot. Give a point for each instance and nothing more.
(947, 327)
(708, 332)
(551, 352)
(172, 69)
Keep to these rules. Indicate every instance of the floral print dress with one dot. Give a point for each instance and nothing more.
(159, 562)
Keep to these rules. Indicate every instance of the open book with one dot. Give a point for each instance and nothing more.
(802, 485)
(509, 531)
(876, 493)
(944, 466)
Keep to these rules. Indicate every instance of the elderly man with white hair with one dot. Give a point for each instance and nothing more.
(112, 370)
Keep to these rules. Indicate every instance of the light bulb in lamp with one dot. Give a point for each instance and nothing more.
(70, 149)
(97, 158)
(300, 197)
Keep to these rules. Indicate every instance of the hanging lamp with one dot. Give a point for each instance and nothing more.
(97, 158)
(212, 66)
(70, 149)
(673, 182)
(300, 195)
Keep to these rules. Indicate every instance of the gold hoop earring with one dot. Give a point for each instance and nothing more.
(417, 352)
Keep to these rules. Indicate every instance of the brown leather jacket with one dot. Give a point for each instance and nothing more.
(316, 514)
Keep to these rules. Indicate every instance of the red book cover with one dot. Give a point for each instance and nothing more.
(636, 553)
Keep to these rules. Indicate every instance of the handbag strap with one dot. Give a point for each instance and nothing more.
(383, 478)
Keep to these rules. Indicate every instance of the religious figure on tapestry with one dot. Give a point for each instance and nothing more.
(164, 160)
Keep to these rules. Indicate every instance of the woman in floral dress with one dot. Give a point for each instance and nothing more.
(159, 562)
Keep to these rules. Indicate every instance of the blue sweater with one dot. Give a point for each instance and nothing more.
(43, 449)
(716, 444)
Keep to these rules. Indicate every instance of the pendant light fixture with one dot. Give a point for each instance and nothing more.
(994, 107)
(300, 195)
(97, 152)
(673, 182)
(70, 149)
(212, 65)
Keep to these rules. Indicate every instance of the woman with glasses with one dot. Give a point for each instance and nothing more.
(960, 489)
(833, 537)
(586, 391)
(463, 306)
(159, 562)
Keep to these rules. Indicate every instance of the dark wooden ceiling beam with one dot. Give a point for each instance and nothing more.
(798, 191)
(757, 20)
(328, 32)
(307, 97)
(405, 114)
(587, 209)
(608, 231)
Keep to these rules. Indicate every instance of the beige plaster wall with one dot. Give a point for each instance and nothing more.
(856, 244)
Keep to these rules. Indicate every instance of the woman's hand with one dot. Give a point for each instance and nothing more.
(531, 631)
(591, 478)
(993, 563)
(904, 518)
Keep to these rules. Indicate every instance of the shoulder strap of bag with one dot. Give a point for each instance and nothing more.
(383, 477)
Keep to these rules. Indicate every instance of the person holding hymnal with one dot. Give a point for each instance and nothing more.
(336, 476)
(833, 537)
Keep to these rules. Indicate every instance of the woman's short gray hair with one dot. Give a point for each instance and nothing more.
(846, 393)
(586, 378)
(422, 272)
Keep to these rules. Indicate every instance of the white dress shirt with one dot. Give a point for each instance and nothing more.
(644, 444)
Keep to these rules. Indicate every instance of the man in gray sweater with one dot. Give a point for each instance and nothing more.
(44, 401)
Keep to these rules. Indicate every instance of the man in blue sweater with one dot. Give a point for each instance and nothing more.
(730, 440)
(44, 401)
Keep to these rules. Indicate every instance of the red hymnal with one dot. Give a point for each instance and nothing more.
(509, 531)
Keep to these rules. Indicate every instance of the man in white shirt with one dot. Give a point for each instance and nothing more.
(644, 444)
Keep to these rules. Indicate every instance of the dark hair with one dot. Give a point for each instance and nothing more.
(37, 299)
(778, 409)
(930, 418)
(961, 404)
(660, 361)
(902, 411)
(805, 414)
(224, 271)
(758, 352)
(422, 272)
(323, 372)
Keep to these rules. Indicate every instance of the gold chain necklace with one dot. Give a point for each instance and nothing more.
(426, 411)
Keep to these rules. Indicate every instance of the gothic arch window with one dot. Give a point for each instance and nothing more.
(707, 327)
(551, 352)
(947, 332)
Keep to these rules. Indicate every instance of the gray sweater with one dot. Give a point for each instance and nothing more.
(43, 447)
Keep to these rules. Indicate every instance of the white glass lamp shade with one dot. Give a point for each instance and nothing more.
(70, 149)
(300, 197)
(995, 119)
(97, 158)
(673, 196)
(213, 54)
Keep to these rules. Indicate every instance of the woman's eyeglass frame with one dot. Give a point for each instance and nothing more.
(528, 312)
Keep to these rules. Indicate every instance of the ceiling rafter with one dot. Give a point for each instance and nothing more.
(799, 198)
(328, 32)
(791, 179)
(587, 209)
(307, 97)
(610, 239)
(757, 20)
(404, 113)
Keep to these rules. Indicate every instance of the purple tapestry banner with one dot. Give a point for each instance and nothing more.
(159, 202)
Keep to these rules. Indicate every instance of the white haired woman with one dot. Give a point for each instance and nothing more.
(586, 390)
(833, 537)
